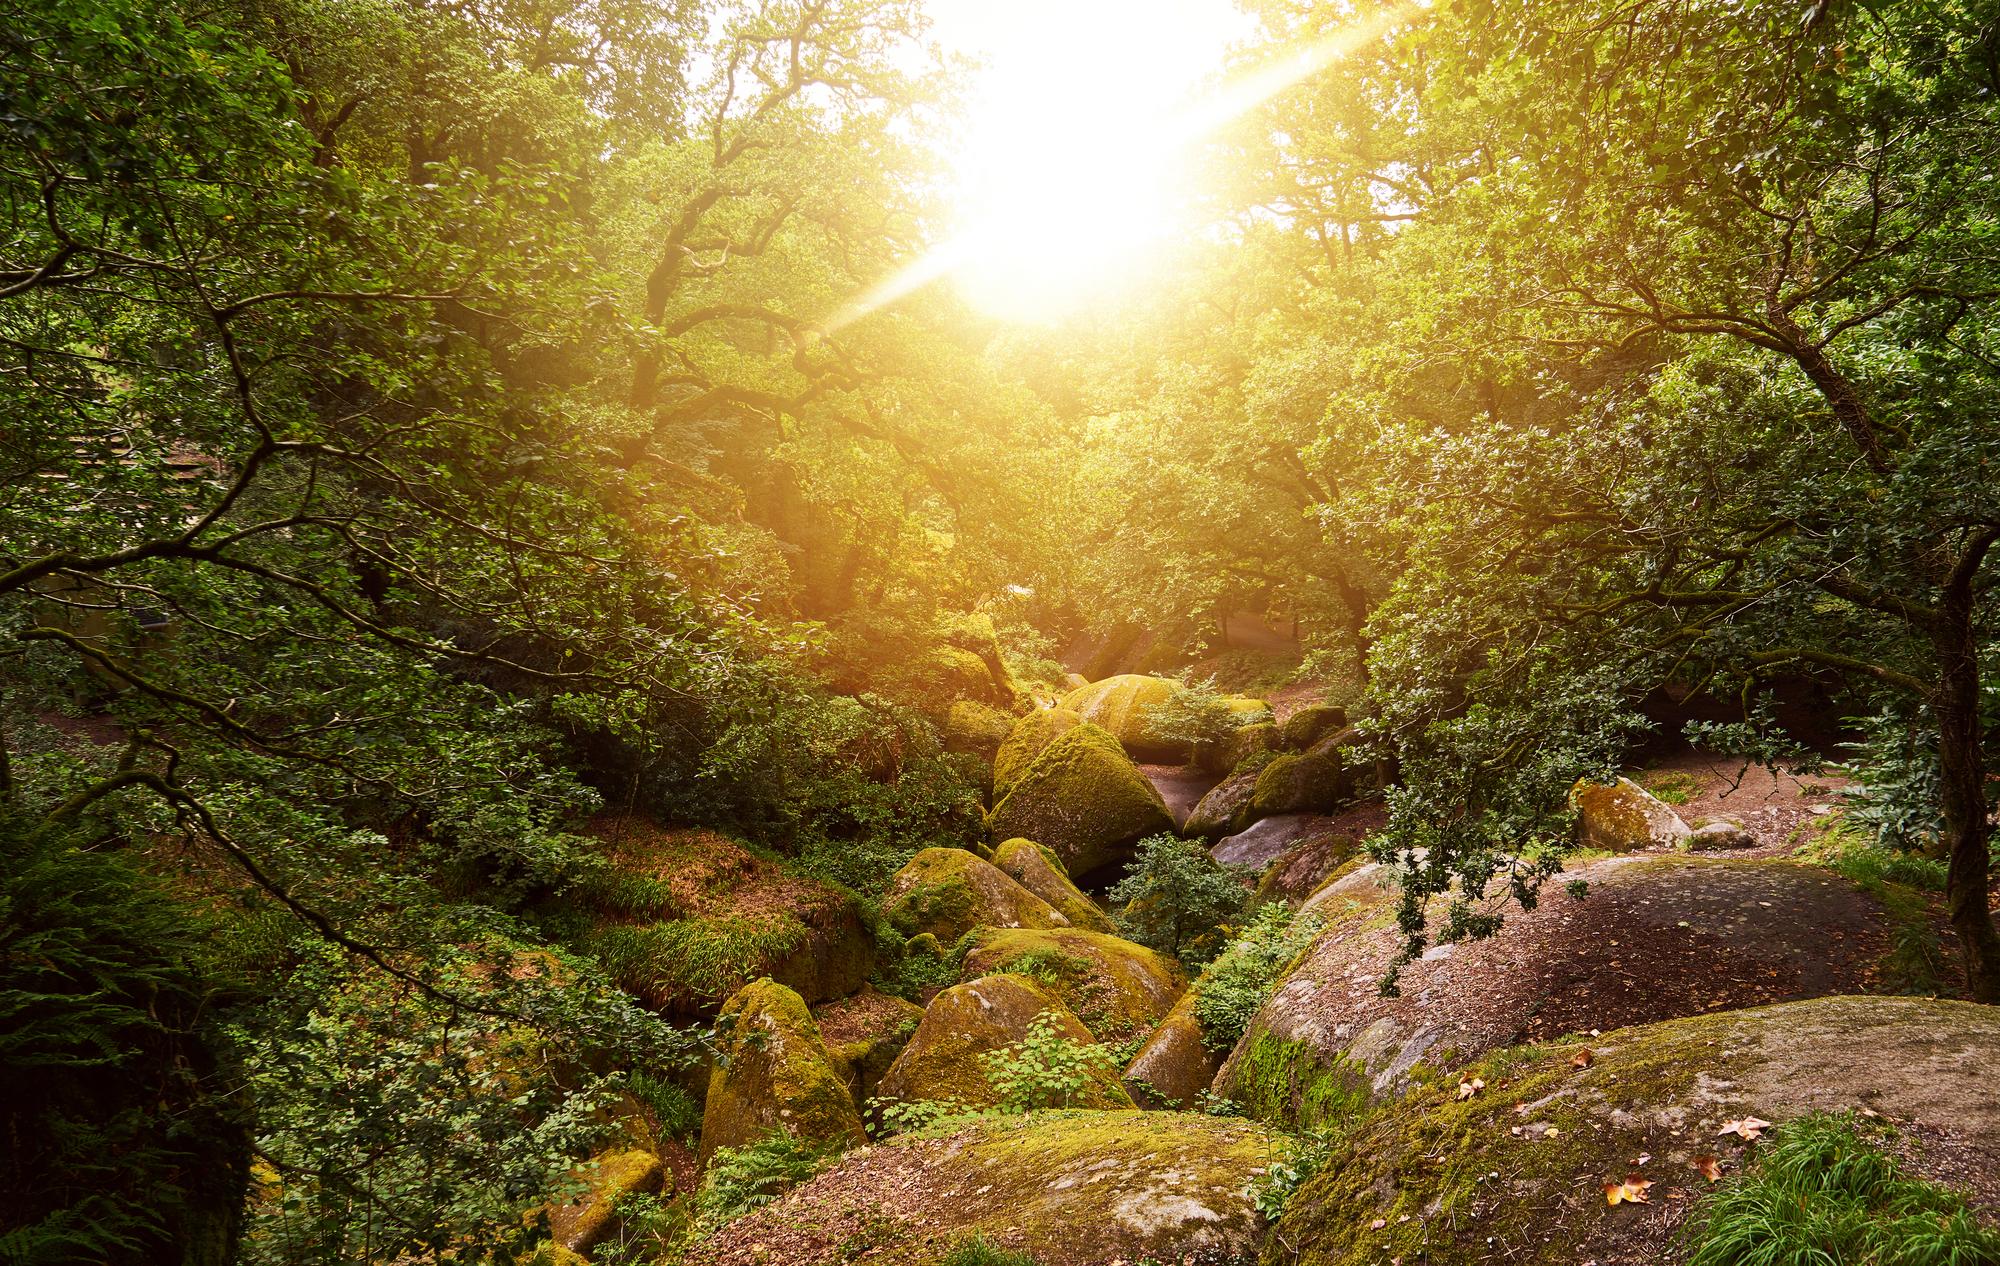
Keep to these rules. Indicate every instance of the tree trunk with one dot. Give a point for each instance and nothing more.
(1962, 765)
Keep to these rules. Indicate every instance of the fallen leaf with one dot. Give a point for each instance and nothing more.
(1583, 1058)
(1710, 1168)
(1748, 1129)
(1631, 1191)
(1467, 1089)
(1378, 1224)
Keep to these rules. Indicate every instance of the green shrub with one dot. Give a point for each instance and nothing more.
(1305, 1156)
(675, 1111)
(1825, 1193)
(1177, 898)
(740, 1179)
(1044, 1069)
(1197, 714)
(1243, 976)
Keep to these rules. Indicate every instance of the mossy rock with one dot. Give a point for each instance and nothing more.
(948, 892)
(773, 1072)
(1123, 707)
(1308, 864)
(1119, 989)
(1309, 782)
(1310, 724)
(1083, 799)
(947, 673)
(976, 729)
(1174, 1066)
(1245, 742)
(683, 918)
(1225, 810)
(863, 1034)
(1514, 1172)
(1655, 938)
(587, 1220)
(1061, 1188)
(1623, 817)
(1025, 741)
(942, 1060)
(1041, 872)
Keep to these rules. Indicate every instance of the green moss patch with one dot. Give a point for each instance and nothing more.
(1083, 799)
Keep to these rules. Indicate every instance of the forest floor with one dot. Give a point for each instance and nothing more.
(1772, 806)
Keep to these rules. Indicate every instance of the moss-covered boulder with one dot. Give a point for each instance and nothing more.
(1312, 723)
(945, 673)
(1225, 810)
(1515, 1171)
(1025, 741)
(591, 1216)
(864, 1033)
(684, 918)
(1060, 1188)
(1318, 854)
(1119, 989)
(942, 1061)
(1123, 706)
(977, 729)
(1175, 1066)
(949, 892)
(1655, 938)
(1314, 781)
(1623, 817)
(1041, 872)
(1083, 799)
(773, 1072)
(1249, 740)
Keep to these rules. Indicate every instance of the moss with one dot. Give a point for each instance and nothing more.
(976, 727)
(1312, 782)
(1119, 990)
(1041, 872)
(942, 1061)
(951, 672)
(1225, 810)
(1289, 1082)
(587, 1221)
(1312, 723)
(1083, 799)
(948, 892)
(1025, 741)
(1175, 1066)
(774, 1073)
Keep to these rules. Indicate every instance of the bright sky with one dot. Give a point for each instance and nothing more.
(1071, 174)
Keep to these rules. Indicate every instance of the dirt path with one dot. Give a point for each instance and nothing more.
(1703, 786)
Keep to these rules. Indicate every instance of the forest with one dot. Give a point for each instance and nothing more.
(938, 633)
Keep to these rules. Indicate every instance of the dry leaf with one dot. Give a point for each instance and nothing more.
(1378, 1224)
(1710, 1168)
(1631, 1191)
(1582, 1058)
(1748, 1129)
(1467, 1089)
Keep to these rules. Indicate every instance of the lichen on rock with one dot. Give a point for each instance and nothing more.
(1623, 817)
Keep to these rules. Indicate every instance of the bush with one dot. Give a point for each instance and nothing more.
(740, 1179)
(1044, 1069)
(1177, 898)
(1197, 714)
(1243, 976)
(1824, 1193)
(978, 1252)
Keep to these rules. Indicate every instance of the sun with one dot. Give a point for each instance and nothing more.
(1071, 175)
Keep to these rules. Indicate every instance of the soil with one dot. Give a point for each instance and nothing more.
(1770, 805)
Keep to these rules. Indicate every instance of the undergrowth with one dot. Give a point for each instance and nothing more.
(740, 1179)
(1825, 1193)
(1240, 980)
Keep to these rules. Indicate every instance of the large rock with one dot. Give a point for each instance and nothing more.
(1623, 817)
(1181, 788)
(1225, 810)
(773, 1072)
(1059, 1188)
(1513, 1173)
(1267, 839)
(1314, 781)
(1312, 723)
(1119, 989)
(1083, 799)
(1025, 741)
(975, 728)
(942, 1061)
(1123, 706)
(1040, 872)
(684, 918)
(1320, 853)
(1175, 1066)
(591, 1217)
(1655, 938)
(949, 892)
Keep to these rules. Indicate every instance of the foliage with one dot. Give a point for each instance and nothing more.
(1197, 715)
(121, 1141)
(1177, 898)
(1243, 976)
(1046, 1068)
(1308, 1152)
(978, 1252)
(740, 1179)
(1826, 1190)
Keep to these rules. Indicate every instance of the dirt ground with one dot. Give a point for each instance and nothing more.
(1770, 806)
